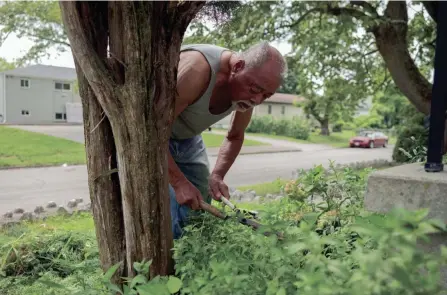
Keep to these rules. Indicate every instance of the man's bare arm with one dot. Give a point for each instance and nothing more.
(192, 80)
(232, 143)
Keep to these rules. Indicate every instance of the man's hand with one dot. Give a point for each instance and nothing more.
(187, 193)
(217, 187)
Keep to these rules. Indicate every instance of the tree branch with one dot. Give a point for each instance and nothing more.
(49, 40)
(346, 10)
(94, 69)
(302, 17)
(367, 6)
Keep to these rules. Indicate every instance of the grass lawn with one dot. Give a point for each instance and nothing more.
(20, 148)
(339, 140)
(215, 140)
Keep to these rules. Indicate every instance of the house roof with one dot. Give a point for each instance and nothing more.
(45, 72)
(284, 98)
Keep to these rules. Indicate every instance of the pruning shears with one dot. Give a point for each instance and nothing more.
(245, 217)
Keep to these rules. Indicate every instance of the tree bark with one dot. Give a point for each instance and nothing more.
(136, 90)
(100, 148)
(325, 127)
(391, 40)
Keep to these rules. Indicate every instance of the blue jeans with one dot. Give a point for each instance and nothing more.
(192, 159)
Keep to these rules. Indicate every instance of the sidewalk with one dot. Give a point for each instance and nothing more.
(261, 149)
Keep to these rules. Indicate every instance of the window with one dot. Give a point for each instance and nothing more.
(25, 113)
(24, 83)
(270, 109)
(60, 116)
(283, 110)
(62, 86)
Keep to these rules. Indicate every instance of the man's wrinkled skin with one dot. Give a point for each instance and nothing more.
(235, 84)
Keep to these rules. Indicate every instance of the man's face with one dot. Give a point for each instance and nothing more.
(251, 87)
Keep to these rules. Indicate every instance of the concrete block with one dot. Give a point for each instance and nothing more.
(410, 187)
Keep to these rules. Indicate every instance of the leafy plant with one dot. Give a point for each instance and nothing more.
(416, 154)
(140, 285)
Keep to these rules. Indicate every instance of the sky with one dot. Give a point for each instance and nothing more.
(15, 47)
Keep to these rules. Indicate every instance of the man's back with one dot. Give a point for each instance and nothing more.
(196, 117)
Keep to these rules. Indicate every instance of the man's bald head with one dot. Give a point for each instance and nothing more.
(263, 54)
(256, 74)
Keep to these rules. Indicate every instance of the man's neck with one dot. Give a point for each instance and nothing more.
(225, 69)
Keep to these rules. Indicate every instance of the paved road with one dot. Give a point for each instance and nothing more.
(30, 187)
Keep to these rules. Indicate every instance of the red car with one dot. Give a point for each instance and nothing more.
(369, 139)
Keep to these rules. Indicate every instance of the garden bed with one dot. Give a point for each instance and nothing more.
(328, 248)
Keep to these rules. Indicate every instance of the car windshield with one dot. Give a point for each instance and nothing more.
(365, 134)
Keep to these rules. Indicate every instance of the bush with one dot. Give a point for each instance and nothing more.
(61, 258)
(373, 121)
(330, 246)
(412, 138)
(296, 127)
(327, 249)
(337, 128)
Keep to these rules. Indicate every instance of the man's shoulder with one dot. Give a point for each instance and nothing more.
(201, 46)
(193, 62)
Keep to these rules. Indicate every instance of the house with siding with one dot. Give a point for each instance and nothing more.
(279, 105)
(37, 94)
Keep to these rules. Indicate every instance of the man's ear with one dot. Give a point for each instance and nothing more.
(238, 66)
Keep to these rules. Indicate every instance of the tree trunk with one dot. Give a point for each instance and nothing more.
(136, 90)
(100, 148)
(104, 186)
(391, 40)
(325, 127)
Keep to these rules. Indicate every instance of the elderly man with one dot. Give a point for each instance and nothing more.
(212, 83)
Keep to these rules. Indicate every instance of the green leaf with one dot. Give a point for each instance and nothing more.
(153, 289)
(281, 291)
(114, 288)
(138, 280)
(52, 284)
(111, 271)
(174, 284)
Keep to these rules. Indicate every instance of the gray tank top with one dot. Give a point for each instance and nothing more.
(196, 117)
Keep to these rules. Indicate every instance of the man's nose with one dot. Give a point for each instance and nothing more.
(257, 99)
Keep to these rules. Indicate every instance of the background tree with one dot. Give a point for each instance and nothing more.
(5, 65)
(39, 21)
(405, 45)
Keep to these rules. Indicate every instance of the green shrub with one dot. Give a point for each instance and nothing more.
(327, 248)
(412, 138)
(373, 121)
(338, 127)
(64, 258)
(330, 246)
(296, 127)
